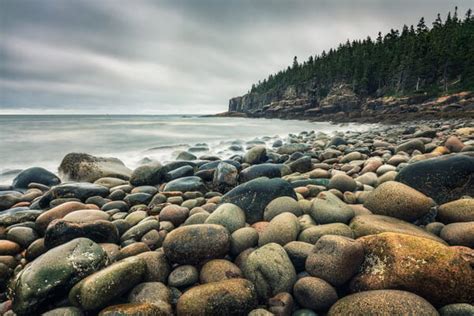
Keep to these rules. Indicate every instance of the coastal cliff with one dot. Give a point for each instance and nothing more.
(342, 104)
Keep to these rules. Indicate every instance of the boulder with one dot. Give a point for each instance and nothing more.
(149, 174)
(444, 179)
(364, 225)
(87, 168)
(256, 155)
(314, 293)
(335, 259)
(253, 196)
(282, 229)
(270, 269)
(196, 243)
(268, 170)
(461, 210)
(36, 175)
(95, 291)
(398, 200)
(328, 208)
(186, 184)
(228, 215)
(49, 276)
(419, 265)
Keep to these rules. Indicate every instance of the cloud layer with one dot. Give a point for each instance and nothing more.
(163, 57)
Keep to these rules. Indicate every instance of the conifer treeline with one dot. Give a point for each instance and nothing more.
(416, 60)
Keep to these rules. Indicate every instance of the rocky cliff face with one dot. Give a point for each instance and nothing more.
(342, 104)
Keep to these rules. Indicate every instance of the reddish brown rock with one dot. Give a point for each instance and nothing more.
(422, 266)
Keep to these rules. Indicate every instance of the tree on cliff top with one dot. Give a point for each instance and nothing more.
(420, 60)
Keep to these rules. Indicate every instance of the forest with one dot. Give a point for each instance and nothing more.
(418, 59)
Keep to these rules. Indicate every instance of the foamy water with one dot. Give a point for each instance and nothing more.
(42, 141)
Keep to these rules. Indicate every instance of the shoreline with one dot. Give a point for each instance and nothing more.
(280, 221)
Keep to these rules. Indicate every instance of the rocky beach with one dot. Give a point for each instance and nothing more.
(374, 222)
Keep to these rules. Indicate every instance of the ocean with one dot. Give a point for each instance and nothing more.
(43, 140)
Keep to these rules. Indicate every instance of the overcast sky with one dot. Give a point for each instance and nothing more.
(162, 57)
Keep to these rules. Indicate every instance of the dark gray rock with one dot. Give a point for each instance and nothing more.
(37, 175)
(254, 196)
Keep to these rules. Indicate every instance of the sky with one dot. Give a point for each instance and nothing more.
(176, 56)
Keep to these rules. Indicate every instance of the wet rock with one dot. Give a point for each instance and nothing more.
(83, 167)
(268, 170)
(382, 302)
(24, 236)
(80, 190)
(335, 259)
(245, 196)
(36, 175)
(228, 297)
(314, 293)
(17, 215)
(82, 216)
(58, 212)
(150, 292)
(270, 269)
(95, 292)
(196, 243)
(225, 176)
(181, 172)
(50, 275)
(302, 164)
(419, 265)
(186, 184)
(443, 179)
(136, 232)
(398, 200)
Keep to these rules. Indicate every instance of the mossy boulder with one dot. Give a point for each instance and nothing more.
(419, 265)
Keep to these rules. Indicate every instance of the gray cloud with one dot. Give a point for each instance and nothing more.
(114, 56)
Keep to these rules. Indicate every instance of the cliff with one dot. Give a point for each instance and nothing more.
(342, 104)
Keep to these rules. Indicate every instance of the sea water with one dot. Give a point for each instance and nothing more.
(43, 140)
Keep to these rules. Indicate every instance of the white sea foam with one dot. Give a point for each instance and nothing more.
(28, 141)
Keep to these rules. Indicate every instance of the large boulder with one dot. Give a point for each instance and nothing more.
(196, 243)
(419, 265)
(444, 179)
(382, 302)
(398, 200)
(228, 297)
(51, 275)
(87, 168)
(364, 225)
(253, 196)
(36, 175)
(270, 270)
